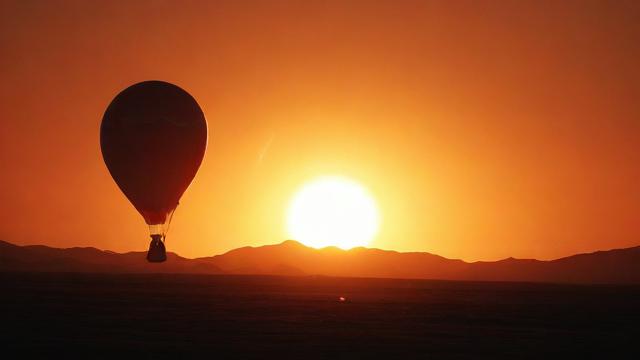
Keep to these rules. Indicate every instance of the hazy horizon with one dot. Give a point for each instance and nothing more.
(329, 247)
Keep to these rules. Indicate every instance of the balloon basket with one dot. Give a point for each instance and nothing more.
(157, 252)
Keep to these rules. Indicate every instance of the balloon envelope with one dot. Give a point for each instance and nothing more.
(153, 138)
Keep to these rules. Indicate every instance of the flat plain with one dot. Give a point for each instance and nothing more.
(205, 316)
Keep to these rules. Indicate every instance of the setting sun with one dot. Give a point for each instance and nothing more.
(333, 211)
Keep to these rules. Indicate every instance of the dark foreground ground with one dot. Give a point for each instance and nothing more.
(180, 316)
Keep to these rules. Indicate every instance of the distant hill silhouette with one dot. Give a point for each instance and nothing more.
(44, 258)
(292, 258)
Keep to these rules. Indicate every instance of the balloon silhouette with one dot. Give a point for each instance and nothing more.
(153, 138)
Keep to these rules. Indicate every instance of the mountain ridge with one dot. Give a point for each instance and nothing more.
(291, 258)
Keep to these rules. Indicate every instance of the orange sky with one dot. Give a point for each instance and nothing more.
(485, 129)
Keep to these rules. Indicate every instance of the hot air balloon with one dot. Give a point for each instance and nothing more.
(153, 138)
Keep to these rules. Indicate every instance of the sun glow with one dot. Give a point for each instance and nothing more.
(333, 211)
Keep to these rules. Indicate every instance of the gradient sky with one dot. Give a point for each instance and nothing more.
(485, 129)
